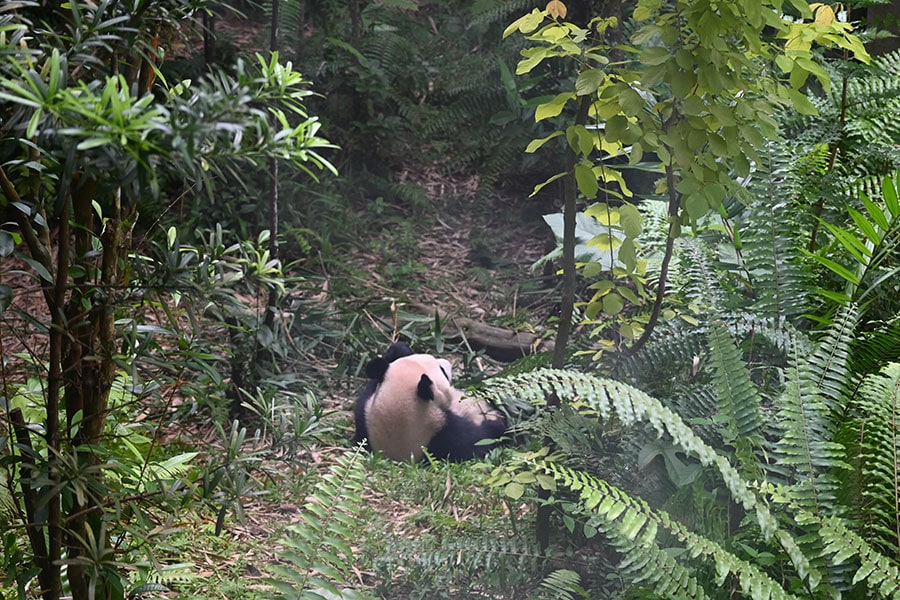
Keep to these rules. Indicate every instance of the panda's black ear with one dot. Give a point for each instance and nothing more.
(426, 388)
(376, 369)
(397, 350)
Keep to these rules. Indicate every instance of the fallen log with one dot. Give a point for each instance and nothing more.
(504, 345)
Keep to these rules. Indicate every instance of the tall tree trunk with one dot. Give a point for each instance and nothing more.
(567, 303)
(89, 364)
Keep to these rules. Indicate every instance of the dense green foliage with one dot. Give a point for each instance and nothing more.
(174, 375)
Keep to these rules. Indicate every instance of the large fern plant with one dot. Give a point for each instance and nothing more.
(794, 533)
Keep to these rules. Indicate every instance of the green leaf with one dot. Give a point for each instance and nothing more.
(7, 243)
(875, 213)
(613, 304)
(591, 270)
(552, 108)
(589, 81)
(840, 270)
(631, 101)
(514, 490)
(533, 57)
(864, 225)
(616, 128)
(550, 180)
(645, 10)
(889, 191)
(38, 268)
(6, 297)
(850, 242)
(630, 219)
(628, 256)
(587, 181)
(525, 24)
(580, 139)
(534, 145)
(696, 205)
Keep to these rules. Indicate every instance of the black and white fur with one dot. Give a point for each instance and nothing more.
(409, 404)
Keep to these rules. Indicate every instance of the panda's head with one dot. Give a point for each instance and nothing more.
(430, 377)
(409, 405)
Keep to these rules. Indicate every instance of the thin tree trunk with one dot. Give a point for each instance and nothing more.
(567, 304)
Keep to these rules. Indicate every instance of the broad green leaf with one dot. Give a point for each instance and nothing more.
(636, 154)
(693, 106)
(604, 213)
(655, 55)
(696, 205)
(717, 145)
(627, 292)
(608, 174)
(533, 57)
(613, 303)
(591, 270)
(580, 139)
(715, 193)
(589, 81)
(593, 308)
(554, 107)
(784, 63)
(628, 256)
(646, 9)
(604, 242)
(586, 180)
(514, 490)
(602, 287)
(630, 219)
(616, 128)
(525, 24)
(631, 101)
(534, 145)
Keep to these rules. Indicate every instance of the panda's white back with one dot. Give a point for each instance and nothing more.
(400, 423)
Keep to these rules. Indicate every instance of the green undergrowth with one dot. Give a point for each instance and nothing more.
(360, 525)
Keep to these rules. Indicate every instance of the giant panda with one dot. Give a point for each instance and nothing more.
(410, 403)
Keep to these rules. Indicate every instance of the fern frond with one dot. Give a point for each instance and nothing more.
(872, 349)
(633, 526)
(631, 406)
(807, 411)
(497, 12)
(318, 551)
(563, 584)
(772, 251)
(702, 280)
(828, 368)
(876, 570)
(483, 562)
(738, 398)
(667, 359)
(778, 331)
(878, 404)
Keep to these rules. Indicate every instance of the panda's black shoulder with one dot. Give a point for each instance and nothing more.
(377, 367)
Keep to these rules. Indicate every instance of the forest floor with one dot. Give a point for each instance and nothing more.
(464, 254)
(467, 257)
